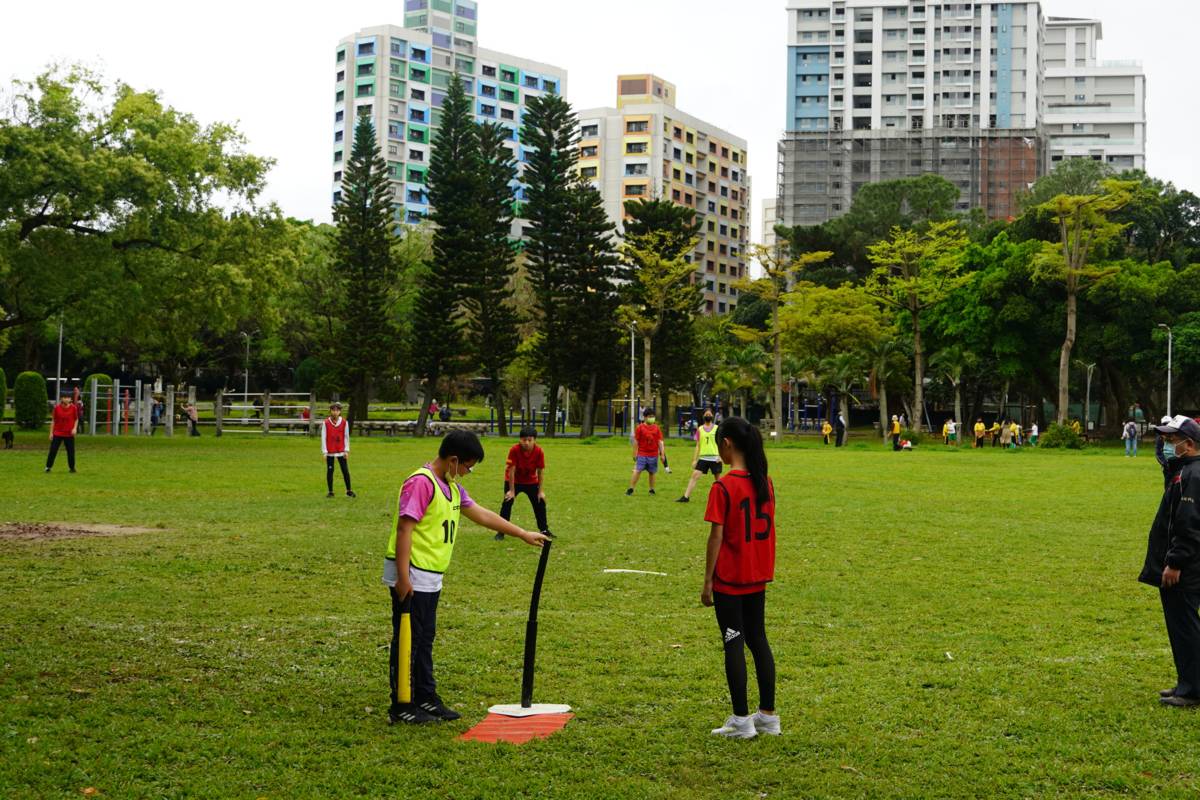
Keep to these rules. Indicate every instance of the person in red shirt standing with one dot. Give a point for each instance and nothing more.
(524, 473)
(66, 423)
(335, 446)
(739, 563)
(647, 449)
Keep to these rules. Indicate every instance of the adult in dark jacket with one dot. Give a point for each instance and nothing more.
(1173, 557)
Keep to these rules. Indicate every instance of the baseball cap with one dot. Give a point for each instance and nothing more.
(1184, 426)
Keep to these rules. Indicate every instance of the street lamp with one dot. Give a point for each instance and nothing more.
(246, 376)
(1170, 347)
(632, 367)
(1087, 410)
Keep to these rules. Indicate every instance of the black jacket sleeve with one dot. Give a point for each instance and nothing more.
(1185, 528)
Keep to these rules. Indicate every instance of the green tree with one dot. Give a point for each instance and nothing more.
(914, 272)
(491, 318)
(888, 360)
(843, 372)
(593, 358)
(1084, 226)
(30, 403)
(363, 255)
(456, 181)
(550, 131)
(1071, 176)
(778, 265)
(1162, 222)
(951, 363)
(125, 190)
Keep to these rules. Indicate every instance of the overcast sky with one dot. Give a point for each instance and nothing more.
(268, 65)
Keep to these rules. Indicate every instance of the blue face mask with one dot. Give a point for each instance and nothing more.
(1168, 450)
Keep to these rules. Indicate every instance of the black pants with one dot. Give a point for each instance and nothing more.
(69, 441)
(895, 441)
(412, 681)
(1181, 610)
(329, 471)
(741, 620)
(530, 490)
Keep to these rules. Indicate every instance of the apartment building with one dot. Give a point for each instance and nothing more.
(886, 89)
(769, 220)
(647, 148)
(1094, 109)
(398, 77)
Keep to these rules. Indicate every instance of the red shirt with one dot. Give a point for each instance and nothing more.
(64, 419)
(648, 436)
(746, 561)
(525, 464)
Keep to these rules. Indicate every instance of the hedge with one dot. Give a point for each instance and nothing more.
(30, 403)
(86, 411)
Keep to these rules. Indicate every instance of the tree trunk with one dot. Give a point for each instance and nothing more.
(918, 375)
(498, 405)
(359, 410)
(647, 394)
(552, 408)
(1064, 361)
(587, 424)
(777, 405)
(884, 419)
(958, 415)
(423, 414)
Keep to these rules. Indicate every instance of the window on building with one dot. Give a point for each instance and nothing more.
(337, 156)
(637, 126)
(635, 190)
(366, 49)
(635, 147)
(508, 95)
(507, 113)
(341, 56)
(634, 170)
(339, 116)
(508, 76)
(589, 172)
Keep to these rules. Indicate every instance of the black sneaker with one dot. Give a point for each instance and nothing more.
(1167, 692)
(651, 491)
(350, 493)
(329, 495)
(71, 471)
(628, 492)
(1179, 701)
(48, 469)
(684, 500)
(409, 714)
(439, 710)
(499, 537)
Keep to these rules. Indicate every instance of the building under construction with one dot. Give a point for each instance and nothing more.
(820, 172)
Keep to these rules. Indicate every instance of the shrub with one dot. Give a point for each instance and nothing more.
(102, 380)
(3, 393)
(1061, 436)
(30, 402)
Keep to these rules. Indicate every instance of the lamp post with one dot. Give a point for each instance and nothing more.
(246, 376)
(58, 372)
(1087, 410)
(632, 368)
(1170, 347)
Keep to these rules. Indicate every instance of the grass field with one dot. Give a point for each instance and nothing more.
(946, 624)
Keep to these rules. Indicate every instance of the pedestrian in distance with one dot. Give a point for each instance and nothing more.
(1033, 434)
(525, 473)
(946, 432)
(980, 433)
(335, 447)
(156, 412)
(647, 449)
(826, 429)
(952, 432)
(1016, 434)
(707, 457)
(1006, 434)
(995, 432)
(8, 438)
(1129, 433)
(193, 419)
(64, 425)
(840, 427)
(1173, 557)
(895, 433)
(739, 563)
(419, 550)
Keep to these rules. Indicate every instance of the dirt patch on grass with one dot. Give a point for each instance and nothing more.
(49, 531)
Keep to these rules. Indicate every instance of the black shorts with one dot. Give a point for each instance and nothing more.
(708, 466)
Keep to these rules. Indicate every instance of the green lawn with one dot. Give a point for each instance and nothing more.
(946, 624)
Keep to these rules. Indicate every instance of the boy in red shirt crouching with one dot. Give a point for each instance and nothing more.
(524, 473)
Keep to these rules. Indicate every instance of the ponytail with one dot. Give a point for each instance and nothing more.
(746, 439)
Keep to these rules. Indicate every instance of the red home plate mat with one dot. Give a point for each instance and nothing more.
(516, 730)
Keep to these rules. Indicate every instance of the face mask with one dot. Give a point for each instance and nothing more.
(1168, 450)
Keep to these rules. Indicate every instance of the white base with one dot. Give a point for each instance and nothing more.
(534, 710)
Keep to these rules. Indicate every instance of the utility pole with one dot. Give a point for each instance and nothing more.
(1170, 347)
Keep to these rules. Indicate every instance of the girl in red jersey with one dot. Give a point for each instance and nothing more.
(335, 446)
(740, 563)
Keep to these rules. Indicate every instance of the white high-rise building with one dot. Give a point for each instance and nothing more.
(1094, 109)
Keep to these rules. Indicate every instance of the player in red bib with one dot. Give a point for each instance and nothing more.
(740, 563)
(62, 433)
(335, 446)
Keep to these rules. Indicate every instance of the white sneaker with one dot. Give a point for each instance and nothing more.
(766, 723)
(737, 728)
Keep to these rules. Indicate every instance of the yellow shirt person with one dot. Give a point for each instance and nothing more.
(826, 429)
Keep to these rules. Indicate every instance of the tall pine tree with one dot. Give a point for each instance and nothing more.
(594, 360)
(487, 294)
(455, 181)
(550, 132)
(363, 256)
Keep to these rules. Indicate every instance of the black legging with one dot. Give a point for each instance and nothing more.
(64, 441)
(329, 471)
(530, 490)
(740, 617)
